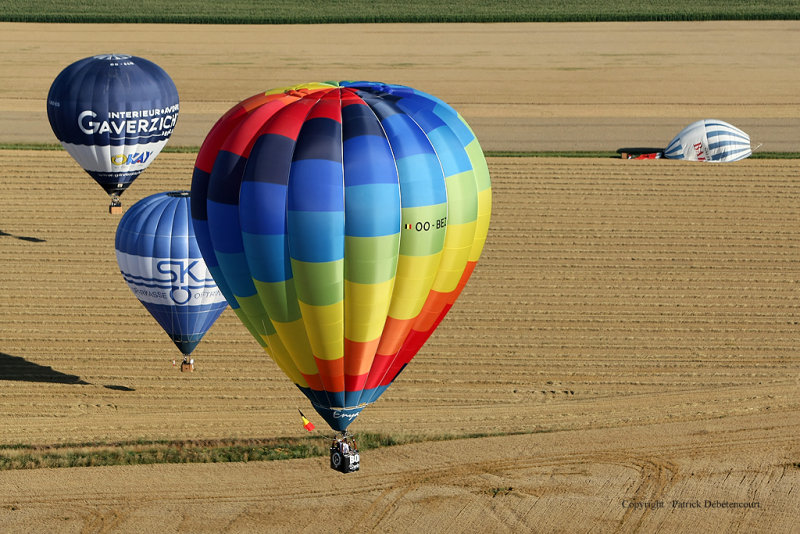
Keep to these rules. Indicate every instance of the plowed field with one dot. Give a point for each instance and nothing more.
(635, 324)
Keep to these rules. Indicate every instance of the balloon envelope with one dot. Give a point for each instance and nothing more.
(341, 221)
(709, 140)
(158, 256)
(113, 113)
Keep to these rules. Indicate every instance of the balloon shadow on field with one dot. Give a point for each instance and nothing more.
(118, 388)
(22, 237)
(18, 368)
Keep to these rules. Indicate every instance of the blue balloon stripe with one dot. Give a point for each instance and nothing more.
(181, 229)
(316, 236)
(421, 181)
(319, 138)
(237, 273)
(263, 208)
(406, 137)
(724, 129)
(736, 138)
(324, 177)
(226, 176)
(383, 108)
(359, 120)
(203, 237)
(451, 154)
(268, 257)
(225, 234)
(199, 183)
(372, 210)
(223, 286)
(166, 227)
(734, 155)
(368, 159)
(413, 103)
(270, 159)
(732, 144)
(149, 283)
(152, 226)
(455, 123)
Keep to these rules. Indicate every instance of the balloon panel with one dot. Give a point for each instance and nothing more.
(113, 114)
(343, 219)
(159, 258)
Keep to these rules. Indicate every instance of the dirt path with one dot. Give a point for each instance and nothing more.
(701, 476)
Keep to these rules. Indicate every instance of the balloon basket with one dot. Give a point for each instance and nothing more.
(115, 208)
(634, 152)
(187, 367)
(345, 457)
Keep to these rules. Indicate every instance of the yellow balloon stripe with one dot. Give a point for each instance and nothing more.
(277, 351)
(365, 309)
(482, 226)
(326, 338)
(415, 275)
(457, 246)
(293, 336)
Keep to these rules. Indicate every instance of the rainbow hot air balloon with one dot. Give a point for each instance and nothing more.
(113, 113)
(159, 258)
(341, 221)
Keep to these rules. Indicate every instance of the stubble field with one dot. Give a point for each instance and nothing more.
(635, 324)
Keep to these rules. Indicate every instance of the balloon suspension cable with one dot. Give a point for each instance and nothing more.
(756, 147)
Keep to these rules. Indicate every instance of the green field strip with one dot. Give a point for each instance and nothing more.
(385, 11)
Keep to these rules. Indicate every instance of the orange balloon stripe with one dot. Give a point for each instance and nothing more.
(314, 382)
(463, 282)
(395, 331)
(431, 310)
(418, 337)
(358, 356)
(332, 374)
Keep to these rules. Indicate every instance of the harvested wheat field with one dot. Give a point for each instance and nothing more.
(630, 334)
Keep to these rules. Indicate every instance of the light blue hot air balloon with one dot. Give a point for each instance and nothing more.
(113, 113)
(159, 258)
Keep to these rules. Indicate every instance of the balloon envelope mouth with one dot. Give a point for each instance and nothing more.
(181, 194)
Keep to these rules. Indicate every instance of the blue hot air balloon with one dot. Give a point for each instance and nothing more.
(113, 113)
(159, 258)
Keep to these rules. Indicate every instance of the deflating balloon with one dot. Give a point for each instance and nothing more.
(709, 140)
(113, 114)
(341, 221)
(159, 258)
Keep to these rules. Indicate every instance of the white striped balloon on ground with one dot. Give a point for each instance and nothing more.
(709, 140)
